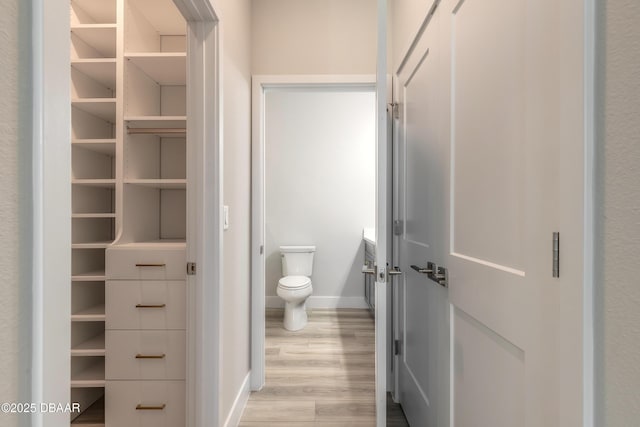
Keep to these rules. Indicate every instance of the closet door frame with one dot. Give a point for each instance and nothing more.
(51, 207)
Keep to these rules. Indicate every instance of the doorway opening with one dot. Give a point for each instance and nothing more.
(314, 172)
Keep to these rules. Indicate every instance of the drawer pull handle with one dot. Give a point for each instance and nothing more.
(150, 356)
(151, 305)
(141, 407)
(151, 265)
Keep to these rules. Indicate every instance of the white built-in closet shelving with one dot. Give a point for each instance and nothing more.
(155, 123)
(93, 146)
(128, 99)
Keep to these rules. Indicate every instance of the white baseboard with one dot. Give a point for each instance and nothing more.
(239, 404)
(321, 302)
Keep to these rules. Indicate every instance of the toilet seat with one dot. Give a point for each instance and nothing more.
(294, 282)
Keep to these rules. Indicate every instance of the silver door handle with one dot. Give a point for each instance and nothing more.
(395, 271)
(422, 270)
(368, 270)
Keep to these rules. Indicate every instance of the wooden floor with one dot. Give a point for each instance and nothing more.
(320, 376)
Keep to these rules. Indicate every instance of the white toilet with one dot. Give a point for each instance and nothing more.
(295, 287)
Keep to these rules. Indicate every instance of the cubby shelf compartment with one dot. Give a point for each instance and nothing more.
(98, 11)
(105, 183)
(101, 37)
(102, 70)
(91, 314)
(163, 184)
(94, 346)
(92, 416)
(89, 276)
(91, 376)
(103, 108)
(165, 68)
(102, 146)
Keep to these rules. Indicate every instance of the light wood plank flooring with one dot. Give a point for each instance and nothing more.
(320, 376)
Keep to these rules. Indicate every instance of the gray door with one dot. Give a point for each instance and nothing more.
(422, 308)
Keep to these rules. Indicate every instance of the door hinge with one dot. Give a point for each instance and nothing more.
(397, 227)
(395, 110)
(396, 347)
(556, 254)
(261, 249)
(191, 269)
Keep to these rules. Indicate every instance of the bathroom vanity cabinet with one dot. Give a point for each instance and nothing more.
(129, 83)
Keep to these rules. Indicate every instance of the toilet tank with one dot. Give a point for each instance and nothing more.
(297, 260)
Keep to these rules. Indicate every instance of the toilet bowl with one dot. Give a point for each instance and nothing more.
(294, 290)
(295, 287)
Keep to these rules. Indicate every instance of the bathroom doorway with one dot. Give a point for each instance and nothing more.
(314, 172)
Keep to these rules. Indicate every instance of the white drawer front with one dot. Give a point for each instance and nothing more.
(159, 403)
(145, 355)
(146, 264)
(145, 304)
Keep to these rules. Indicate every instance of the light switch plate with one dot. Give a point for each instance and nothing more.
(226, 217)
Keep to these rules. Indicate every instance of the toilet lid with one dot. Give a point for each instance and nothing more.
(294, 282)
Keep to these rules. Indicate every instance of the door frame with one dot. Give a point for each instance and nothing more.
(589, 53)
(51, 220)
(260, 85)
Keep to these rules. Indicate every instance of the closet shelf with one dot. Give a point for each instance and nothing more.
(176, 243)
(165, 68)
(163, 184)
(91, 245)
(102, 70)
(103, 146)
(101, 37)
(91, 314)
(92, 376)
(105, 183)
(104, 108)
(92, 347)
(159, 122)
(92, 215)
(90, 276)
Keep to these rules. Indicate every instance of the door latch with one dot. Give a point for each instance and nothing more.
(191, 269)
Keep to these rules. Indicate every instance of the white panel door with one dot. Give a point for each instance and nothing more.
(514, 124)
(490, 163)
(422, 175)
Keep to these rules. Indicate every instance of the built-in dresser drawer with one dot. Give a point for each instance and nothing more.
(145, 304)
(145, 404)
(124, 263)
(145, 355)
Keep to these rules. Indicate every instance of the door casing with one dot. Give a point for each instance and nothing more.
(260, 84)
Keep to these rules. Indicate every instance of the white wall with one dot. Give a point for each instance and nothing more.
(314, 37)
(235, 31)
(320, 184)
(618, 239)
(15, 205)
